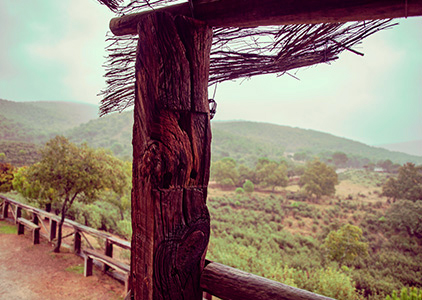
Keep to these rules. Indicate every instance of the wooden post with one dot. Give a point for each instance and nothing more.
(108, 252)
(36, 235)
(35, 218)
(21, 228)
(5, 209)
(88, 266)
(18, 214)
(77, 242)
(47, 209)
(171, 158)
(53, 230)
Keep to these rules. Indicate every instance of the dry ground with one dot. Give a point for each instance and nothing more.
(34, 272)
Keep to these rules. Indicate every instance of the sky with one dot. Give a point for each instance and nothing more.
(53, 51)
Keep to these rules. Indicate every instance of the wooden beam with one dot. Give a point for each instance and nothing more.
(171, 158)
(251, 13)
(232, 284)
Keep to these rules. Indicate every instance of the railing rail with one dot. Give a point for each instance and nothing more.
(218, 280)
(79, 230)
(229, 283)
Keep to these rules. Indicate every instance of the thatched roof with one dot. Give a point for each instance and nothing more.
(236, 52)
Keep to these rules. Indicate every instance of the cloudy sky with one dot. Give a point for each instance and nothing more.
(50, 50)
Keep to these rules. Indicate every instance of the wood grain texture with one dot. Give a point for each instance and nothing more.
(171, 158)
(251, 13)
(232, 284)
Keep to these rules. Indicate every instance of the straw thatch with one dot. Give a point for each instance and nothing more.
(236, 52)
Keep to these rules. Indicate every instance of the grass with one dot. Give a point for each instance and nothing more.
(7, 229)
(78, 269)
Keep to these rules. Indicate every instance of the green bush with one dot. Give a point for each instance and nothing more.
(248, 186)
(239, 191)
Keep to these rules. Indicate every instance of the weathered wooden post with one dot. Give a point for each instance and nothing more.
(109, 252)
(171, 158)
(53, 230)
(5, 209)
(35, 218)
(77, 242)
(18, 214)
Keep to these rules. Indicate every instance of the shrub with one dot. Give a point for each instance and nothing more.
(239, 191)
(248, 186)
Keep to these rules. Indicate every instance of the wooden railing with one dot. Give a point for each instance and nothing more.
(218, 280)
(13, 209)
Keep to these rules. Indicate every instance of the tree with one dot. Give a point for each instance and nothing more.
(340, 159)
(248, 187)
(68, 173)
(245, 173)
(318, 179)
(408, 184)
(270, 173)
(225, 173)
(406, 215)
(6, 177)
(345, 244)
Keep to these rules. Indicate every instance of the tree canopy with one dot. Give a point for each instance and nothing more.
(225, 172)
(345, 244)
(318, 179)
(270, 173)
(6, 176)
(408, 184)
(68, 173)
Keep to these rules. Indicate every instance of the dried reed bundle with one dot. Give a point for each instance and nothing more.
(237, 52)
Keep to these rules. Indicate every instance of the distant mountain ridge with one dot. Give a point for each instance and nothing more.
(411, 147)
(36, 122)
(238, 139)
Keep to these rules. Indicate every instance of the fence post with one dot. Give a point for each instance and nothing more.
(108, 252)
(35, 219)
(77, 242)
(18, 214)
(53, 230)
(5, 209)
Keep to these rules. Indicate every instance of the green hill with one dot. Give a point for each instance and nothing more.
(36, 122)
(112, 132)
(247, 141)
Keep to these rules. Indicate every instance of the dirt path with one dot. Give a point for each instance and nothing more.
(34, 272)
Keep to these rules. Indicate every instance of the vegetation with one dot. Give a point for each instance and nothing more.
(286, 236)
(353, 243)
(36, 122)
(408, 184)
(6, 177)
(5, 228)
(345, 244)
(68, 173)
(247, 141)
(318, 179)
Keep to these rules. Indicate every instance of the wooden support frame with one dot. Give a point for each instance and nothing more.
(171, 158)
(251, 13)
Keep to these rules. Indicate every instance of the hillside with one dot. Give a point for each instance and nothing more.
(112, 132)
(36, 122)
(244, 141)
(412, 147)
(247, 141)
